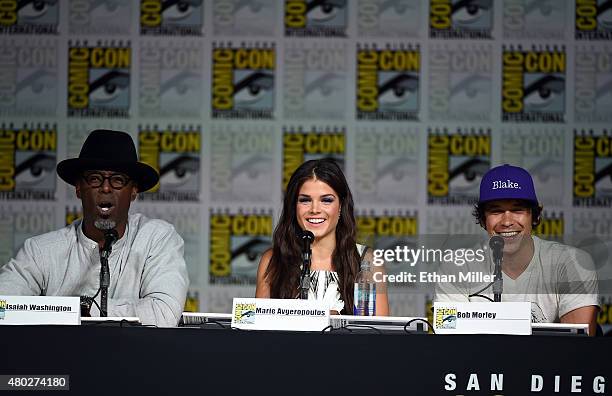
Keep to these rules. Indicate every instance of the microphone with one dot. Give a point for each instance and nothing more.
(110, 236)
(306, 237)
(496, 243)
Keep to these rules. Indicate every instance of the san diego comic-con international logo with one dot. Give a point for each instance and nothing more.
(175, 153)
(245, 18)
(29, 17)
(101, 17)
(387, 230)
(245, 313)
(22, 220)
(302, 144)
(593, 20)
(525, 19)
(243, 80)
(388, 82)
(593, 83)
(540, 150)
(238, 238)
(99, 79)
(533, 84)
(381, 18)
(242, 163)
(455, 165)
(29, 73)
(460, 82)
(386, 166)
(446, 318)
(315, 81)
(170, 79)
(316, 18)
(27, 161)
(2, 309)
(73, 213)
(451, 19)
(592, 168)
(171, 17)
(552, 225)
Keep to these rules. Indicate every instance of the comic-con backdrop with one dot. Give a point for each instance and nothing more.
(415, 99)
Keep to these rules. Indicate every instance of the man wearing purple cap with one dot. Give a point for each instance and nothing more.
(559, 280)
(148, 276)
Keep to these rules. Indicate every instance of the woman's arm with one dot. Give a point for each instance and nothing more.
(382, 301)
(262, 289)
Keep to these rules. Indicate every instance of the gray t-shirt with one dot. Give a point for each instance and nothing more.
(148, 275)
(558, 279)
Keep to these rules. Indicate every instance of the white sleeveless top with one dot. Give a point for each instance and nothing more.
(324, 287)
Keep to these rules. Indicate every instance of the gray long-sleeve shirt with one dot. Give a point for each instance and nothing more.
(148, 273)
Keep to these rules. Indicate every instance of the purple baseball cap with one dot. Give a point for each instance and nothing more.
(507, 182)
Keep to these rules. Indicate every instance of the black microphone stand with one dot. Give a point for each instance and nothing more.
(110, 236)
(497, 246)
(307, 238)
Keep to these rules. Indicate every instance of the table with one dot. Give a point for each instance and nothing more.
(140, 360)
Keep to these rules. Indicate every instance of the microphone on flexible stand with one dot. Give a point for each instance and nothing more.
(496, 243)
(110, 237)
(307, 237)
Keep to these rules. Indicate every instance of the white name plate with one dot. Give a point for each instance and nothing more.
(279, 314)
(40, 310)
(482, 318)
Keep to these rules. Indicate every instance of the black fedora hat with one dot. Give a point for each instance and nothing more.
(108, 150)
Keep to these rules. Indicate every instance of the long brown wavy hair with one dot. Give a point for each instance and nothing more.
(283, 272)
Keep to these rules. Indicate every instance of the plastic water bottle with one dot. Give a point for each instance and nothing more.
(364, 301)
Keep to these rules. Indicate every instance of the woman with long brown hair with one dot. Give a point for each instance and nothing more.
(318, 199)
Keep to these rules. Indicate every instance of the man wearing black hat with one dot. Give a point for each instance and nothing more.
(557, 279)
(148, 276)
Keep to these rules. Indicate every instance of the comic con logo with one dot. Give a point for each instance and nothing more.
(316, 18)
(387, 231)
(455, 165)
(243, 81)
(171, 17)
(523, 19)
(29, 17)
(99, 79)
(73, 213)
(593, 84)
(533, 84)
(19, 222)
(300, 145)
(237, 241)
(386, 166)
(460, 19)
(593, 20)
(244, 18)
(552, 226)
(541, 152)
(29, 73)
(170, 80)
(592, 169)
(245, 313)
(388, 83)
(460, 83)
(445, 318)
(175, 154)
(380, 18)
(100, 17)
(27, 162)
(315, 82)
(242, 164)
